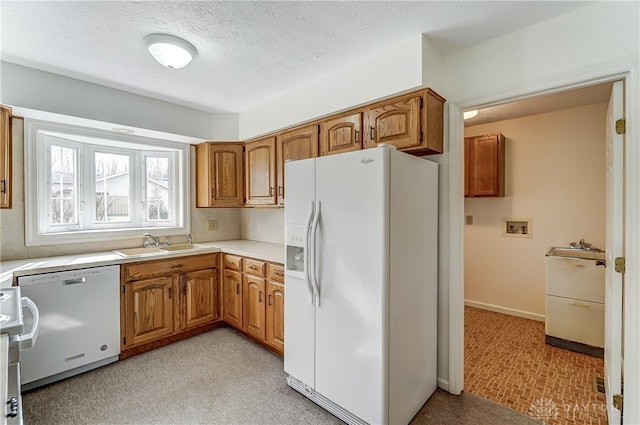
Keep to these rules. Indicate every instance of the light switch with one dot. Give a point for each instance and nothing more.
(468, 219)
(212, 225)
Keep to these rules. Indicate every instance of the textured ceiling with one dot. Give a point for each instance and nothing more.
(247, 51)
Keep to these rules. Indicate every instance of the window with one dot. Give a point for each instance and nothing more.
(94, 185)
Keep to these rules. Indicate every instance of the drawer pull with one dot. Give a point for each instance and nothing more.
(577, 304)
(237, 288)
(260, 296)
(278, 273)
(176, 266)
(601, 263)
(270, 299)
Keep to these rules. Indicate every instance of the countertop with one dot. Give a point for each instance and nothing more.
(9, 269)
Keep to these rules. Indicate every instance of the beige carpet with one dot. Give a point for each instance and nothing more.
(220, 377)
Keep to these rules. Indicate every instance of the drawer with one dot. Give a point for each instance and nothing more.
(575, 278)
(254, 267)
(148, 269)
(575, 320)
(275, 272)
(232, 262)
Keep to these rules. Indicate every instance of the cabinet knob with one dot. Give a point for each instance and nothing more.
(280, 191)
(271, 191)
(237, 288)
(270, 299)
(357, 137)
(260, 296)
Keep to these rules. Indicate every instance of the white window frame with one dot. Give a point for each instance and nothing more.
(39, 233)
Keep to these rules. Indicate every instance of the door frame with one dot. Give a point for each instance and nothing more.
(626, 69)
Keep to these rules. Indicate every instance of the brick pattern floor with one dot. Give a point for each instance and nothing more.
(508, 362)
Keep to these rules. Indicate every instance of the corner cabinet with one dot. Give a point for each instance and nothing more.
(254, 299)
(484, 158)
(219, 175)
(260, 172)
(5, 156)
(300, 143)
(164, 299)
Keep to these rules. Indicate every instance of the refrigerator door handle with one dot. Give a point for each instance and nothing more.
(314, 277)
(307, 227)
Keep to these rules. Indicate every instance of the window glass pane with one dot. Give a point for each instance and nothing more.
(63, 186)
(112, 187)
(157, 188)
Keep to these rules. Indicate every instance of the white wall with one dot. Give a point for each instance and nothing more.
(262, 224)
(389, 71)
(45, 91)
(555, 175)
(561, 51)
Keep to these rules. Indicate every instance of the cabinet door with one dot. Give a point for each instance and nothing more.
(149, 308)
(341, 134)
(301, 143)
(232, 292)
(5, 157)
(275, 315)
(219, 175)
(396, 123)
(200, 294)
(485, 166)
(254, 306)
(260, 179)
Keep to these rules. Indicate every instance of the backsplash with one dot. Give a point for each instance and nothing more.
(262, 224)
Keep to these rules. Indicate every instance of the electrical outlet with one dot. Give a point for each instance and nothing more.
(468, 219)
(212, 225)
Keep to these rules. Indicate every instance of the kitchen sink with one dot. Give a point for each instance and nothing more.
(575, 253)
(140, 252)
(157, 250)
(182, 246)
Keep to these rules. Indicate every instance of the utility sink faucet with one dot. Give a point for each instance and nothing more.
(584, 245)
(156, 241)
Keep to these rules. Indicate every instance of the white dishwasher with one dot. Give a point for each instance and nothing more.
(79, 323)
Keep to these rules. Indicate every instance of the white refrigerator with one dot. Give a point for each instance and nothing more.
(361, 283)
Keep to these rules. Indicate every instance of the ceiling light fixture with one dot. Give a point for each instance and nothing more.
(470, 114)
(170, 51)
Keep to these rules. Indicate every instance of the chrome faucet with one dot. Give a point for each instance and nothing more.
(585, 246)
(156, 241)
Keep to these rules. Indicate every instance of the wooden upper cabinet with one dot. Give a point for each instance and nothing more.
(260, 172)
(149, 306)
(300, 143)
(484, 165)
(219, 175)
(396, 123)
(5, 157)
(341, 134)
(431, 123)
(200, 292)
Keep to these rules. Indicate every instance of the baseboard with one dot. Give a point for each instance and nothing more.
(505, 310)
(443, 384)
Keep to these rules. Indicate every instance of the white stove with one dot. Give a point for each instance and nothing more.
(13, 339)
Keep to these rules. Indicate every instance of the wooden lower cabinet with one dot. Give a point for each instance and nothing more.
(164, 298)
(200, 292)
(232, 290)
(275, 315)
(254, 299)
(149, 310)
(254, 307)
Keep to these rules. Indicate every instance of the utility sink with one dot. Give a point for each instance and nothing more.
(157, 250)
(575, 253)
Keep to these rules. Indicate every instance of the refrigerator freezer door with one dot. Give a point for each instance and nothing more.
(299, 312)
(352, 271)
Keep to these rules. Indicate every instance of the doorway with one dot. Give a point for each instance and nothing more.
(554, 194)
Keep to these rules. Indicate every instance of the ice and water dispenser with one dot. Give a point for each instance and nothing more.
(294, 241)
